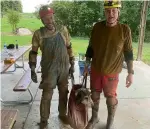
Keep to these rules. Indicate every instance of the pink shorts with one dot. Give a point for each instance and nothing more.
(106, 83)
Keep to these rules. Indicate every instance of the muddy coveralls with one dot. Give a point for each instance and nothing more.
(54, 68)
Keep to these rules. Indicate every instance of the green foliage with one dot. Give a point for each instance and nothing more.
(148, 14)
(130, 14)
(147, 32)
(13, 18)
(79, 16)
(10, 5)
(62, 10)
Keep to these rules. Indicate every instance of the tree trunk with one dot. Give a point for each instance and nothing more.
(142, 28)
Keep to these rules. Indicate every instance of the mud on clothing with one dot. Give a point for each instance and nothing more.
(108, 45)
(55, 59)
(106, 48)
(106, 83)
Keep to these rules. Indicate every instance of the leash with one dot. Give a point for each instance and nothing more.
(84, 82)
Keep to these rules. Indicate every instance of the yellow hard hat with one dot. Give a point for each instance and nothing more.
(112, 4)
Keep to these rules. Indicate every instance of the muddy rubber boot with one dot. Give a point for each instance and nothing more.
(94, 119)
(111, 113)
(62, 107)
(45, 108)
(43, 124)
(44, 112)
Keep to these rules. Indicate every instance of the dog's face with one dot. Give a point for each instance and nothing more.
(83, 95)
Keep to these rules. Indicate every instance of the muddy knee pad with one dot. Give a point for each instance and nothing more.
(45, 104)
(110, 101)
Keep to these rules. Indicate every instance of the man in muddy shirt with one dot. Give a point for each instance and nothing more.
(56, 55)
(109, 44)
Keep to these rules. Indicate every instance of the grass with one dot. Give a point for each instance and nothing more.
(145, 52)
(27, 21)
(79, 44)
(22, 40)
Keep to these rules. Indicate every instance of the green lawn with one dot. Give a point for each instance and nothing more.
(145, 52)
(79, 44)
(27, 20)
(22, 40)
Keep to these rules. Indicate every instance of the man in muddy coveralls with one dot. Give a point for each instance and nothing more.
(109, 45)
(56, 54)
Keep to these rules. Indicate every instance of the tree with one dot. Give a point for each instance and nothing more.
(78, 16)
(144, 13)
(62, 10)
(13, 18)
(11, 5)
(130, 14)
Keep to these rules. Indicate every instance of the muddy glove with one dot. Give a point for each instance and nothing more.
(32, 64)
(71, 60)
(34, 76)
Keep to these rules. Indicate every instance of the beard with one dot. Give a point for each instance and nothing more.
(50, 26)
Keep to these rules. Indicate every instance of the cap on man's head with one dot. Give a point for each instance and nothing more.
(112, 4)
(45, 10)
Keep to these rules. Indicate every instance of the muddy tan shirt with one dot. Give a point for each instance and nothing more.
(109, 45)
(37, 38)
